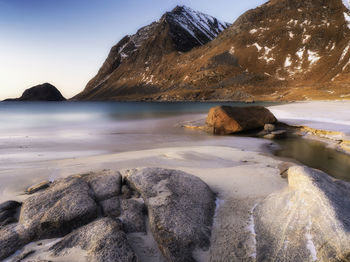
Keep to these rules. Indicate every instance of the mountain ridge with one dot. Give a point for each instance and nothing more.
(281, 50)
(177, 31)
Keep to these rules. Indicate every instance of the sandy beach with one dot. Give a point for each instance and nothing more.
(326, 115)
(239, 178)
(238, 169)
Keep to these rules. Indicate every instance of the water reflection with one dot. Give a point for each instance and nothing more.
(317, 155)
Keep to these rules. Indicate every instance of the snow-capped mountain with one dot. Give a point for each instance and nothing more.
(192, 27)
(281, 50)
(180, 30)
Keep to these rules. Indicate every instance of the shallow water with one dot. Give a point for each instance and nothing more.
(315, 154)
(34, 115)
(42, 131)
(36, 131)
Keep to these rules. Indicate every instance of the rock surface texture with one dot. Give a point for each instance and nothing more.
(180, 209)
(44, 92)
(103, 239)
(96, 212)
(225, 120)
(309, 221)
(65, 205)
(8, 212)
(12, 238)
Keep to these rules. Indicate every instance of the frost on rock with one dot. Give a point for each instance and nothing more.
(309, 242)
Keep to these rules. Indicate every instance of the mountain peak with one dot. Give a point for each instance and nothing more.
(179, 30)
(184, 9)
(200, 27)
(179, 8)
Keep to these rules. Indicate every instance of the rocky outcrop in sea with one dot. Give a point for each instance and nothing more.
(43, 92)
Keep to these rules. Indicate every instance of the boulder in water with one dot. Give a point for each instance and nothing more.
(225, 120)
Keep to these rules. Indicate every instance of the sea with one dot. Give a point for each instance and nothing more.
(43, 131)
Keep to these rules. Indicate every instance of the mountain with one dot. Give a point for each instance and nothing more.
(44, 92)
(281, 50)
(132, 63)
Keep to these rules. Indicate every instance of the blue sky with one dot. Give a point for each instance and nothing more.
(64, 42)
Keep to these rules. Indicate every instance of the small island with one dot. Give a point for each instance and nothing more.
(43, 92)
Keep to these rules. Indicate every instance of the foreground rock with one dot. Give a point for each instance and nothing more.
(65, 205)
(103, 240)
(105, 184)
(309, 221)
(8, 212)
(44, 92)
(12, 238)
(35, 188)
(225, 120)
(180, 208)
(94, 212)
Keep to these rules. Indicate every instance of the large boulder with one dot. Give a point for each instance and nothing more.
(225, 120)
(12, 238)
(308, 221)
(43, 92)
(8, 212)
(67, 204)
(133, 215)
(103, 240)
(105, 184)
(180, 208)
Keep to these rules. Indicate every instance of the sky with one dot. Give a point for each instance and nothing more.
(64, 42)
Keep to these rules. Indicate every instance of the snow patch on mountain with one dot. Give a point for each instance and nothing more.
(196, 23)
(347, 19)
(344, 53)
(300, 52)
(257, 46)
(313, 57)
(288, 61)
(346, 3)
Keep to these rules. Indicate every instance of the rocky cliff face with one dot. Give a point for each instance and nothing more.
(136, 62)
(44, 92)
(282, 50)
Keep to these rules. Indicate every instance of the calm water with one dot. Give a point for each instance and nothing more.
(43, 131)
(317, 155)
(27, 115)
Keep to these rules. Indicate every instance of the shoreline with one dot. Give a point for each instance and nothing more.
(240, 179)
(241, 171)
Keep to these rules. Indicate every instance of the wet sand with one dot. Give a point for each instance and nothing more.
(240, 178)
(236, 168)
(325, 115)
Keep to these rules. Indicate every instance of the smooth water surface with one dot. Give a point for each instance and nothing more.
(38, 131)
(24, 116)
(317, 155)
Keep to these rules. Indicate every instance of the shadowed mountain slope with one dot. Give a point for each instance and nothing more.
(282, 50)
